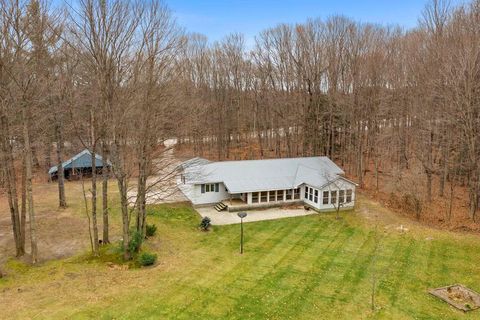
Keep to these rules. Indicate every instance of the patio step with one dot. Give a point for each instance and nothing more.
(220, 206)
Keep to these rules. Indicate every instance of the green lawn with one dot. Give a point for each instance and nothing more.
(313, 267)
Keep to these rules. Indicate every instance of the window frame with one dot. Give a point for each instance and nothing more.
(288, 195)
(333, 197)
(263, 196)
(326, 197)
(296, 194)
(255, 195)
(341, 196)
(349, 195)
(272, 196)
(280, 195)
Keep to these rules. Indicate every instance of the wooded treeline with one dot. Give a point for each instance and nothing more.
(120, 77)
(373, 98)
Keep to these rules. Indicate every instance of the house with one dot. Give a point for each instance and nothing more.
(316, 182)
(79, 165)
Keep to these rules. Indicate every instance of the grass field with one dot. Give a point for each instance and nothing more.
(313, 267)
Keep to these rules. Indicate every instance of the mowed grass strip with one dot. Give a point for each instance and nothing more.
(312, 267)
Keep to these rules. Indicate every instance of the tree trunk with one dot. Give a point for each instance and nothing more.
(11, 185)
(48, 154)
(94, 184)
(62, 202)
(105, 174)
(23, 213)
(429, 185)
(122, 187)
(29, 188)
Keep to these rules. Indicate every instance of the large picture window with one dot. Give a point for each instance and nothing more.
(325, 197)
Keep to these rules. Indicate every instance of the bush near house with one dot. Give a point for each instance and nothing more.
(147, 259)
(151, 229)
(205, 224)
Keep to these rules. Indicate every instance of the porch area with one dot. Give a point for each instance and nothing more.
(254, 214)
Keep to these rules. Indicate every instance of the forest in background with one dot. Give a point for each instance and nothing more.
(398, 109)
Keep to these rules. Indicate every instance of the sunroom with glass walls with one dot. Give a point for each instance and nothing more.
(340, 194)
(274, 196)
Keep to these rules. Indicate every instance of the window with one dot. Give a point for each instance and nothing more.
(325, 197)
(279, 195)
(263, 196)
(296, 194)
(333, 196)
(341, 196)
(254, 197)
(316, 196)
(271, 196)
(288, 194)
(210, 187)
(306, 192)
(349, 195)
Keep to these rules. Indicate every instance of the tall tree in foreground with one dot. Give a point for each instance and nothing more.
(103, 34)
(155, 71)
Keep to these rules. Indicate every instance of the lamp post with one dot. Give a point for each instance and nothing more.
(241, 215)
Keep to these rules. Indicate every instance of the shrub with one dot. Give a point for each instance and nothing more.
(135, 242)
(147, 259)
(205, 224)
(151, 229)
(412, 203)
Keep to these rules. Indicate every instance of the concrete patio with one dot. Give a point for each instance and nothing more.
(225, 217)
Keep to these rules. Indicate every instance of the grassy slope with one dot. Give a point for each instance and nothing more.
(309, 267)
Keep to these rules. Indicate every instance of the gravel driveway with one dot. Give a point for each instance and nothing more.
(225, 217)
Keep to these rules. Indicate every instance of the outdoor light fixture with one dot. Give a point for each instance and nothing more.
(241, 215)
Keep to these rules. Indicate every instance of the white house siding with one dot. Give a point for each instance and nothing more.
(199, 198)
(338, 185)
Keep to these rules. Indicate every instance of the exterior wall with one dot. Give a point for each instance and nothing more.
(198, 198)
(193, 192)
(335, 186)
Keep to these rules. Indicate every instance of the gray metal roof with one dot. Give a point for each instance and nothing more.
(80, 160)
(194, 162)
(260, 175)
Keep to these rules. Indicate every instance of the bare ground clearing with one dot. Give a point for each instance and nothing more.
(60, 233)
